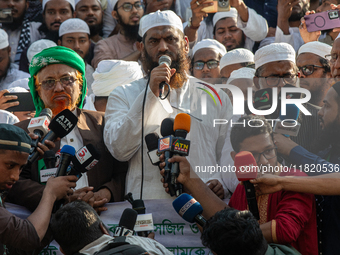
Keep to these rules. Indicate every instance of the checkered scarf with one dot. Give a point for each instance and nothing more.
(24, 40)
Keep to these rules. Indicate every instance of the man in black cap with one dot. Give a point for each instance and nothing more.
(25, 235)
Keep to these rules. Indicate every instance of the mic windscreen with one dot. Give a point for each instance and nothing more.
(167, 127)
(292, 112)
(63, 123)
(152, 141)
(164, 59)
(86, 158)
(68, 150)
(263, 99)
(128, 219)
(187, 207)
(182, 122)
(46, 112)
(246, 167)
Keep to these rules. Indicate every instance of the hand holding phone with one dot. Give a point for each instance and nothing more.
(322, 20)
(7, 101)
(217, 6)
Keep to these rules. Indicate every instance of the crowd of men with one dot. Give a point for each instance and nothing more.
(100, 59)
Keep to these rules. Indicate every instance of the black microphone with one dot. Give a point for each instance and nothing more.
(60, 126)
(151, 141)
(49, 159)
(126, 223)
(66, 155)
(39, 126)
(263, 100)
(84, 160)
(164, 59)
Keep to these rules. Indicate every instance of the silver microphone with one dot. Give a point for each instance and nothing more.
(164, 59)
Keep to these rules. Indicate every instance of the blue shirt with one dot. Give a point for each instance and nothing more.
(266, 8)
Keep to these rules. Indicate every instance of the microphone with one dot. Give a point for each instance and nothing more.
(39, 126)
(151, 141)
(49, 159)
(287, 124)
(126, 223)
(66, 154)
(246, 169)
(263, 100)
(60, 126)
(164, 59)
(84, 160)
(189, 209)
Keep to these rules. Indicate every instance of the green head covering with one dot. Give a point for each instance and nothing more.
(51, 56)
(14, 138)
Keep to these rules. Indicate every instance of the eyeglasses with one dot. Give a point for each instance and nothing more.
(273, 81)
(128, 6)
(64, 81)
(332, 57)
(308, 69)
(268, 154)
(211, 64)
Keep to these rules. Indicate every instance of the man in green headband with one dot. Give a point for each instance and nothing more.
(58, 82)
(25, 235)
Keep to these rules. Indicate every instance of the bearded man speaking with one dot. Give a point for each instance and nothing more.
(129, 105)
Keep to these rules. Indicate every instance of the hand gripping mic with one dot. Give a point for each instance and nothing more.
(164, 59)
(126, 223)
(60, 126)
(287, 124)
(189, 209)
(39, 126)
(84, 160)
(246, 169)
(151, 141)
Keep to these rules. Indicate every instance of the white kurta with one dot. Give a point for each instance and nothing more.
(13, 74)
(123, 130)
(294, 38)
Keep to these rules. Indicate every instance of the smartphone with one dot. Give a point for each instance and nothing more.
(6, 15)
(219, 6)
(25, 102)
(322, 21)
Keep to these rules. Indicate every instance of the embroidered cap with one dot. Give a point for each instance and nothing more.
(14, 138)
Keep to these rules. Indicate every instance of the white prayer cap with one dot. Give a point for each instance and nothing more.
(77, 1)
(221, 15)
(38, 46)
(74, 25)
(236, 56)
(110, 74)
(70, 1)
(242, 73)
(22, 83)
(317, 48)
(274, 52)
(7, 117)
(3, 39)
(157, 19)
(210, 44)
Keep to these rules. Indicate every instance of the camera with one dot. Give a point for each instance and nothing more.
(219, 6)
(6, 15)
(322, 21)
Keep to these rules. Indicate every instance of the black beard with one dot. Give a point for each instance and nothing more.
(130, 31)
(49, 34)
(17, 22)
(329, 135)
(96, 29)
(5, 75)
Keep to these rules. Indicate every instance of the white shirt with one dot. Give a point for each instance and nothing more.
(294, 38)
(13, 74)
(122, 133)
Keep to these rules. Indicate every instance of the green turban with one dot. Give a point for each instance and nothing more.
(51, 56)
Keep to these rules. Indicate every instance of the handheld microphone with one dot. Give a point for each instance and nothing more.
(151, 141)
(66, 154)
(263, 100)
(60, 126)
(49, 159)
(164, 59)
(39, 126)
(246, 169)
(84, 160)
(126, 223)
(287, 124)
(189, 209)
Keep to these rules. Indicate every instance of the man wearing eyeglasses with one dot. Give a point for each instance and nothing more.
(275, 67)
(315, 71)
(122, 45)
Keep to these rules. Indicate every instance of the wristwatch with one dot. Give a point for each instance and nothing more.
(190, 25)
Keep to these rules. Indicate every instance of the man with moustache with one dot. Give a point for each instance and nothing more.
(58, 82)
(91, 12)
(21, 32)
(122, 45)
(137, 109)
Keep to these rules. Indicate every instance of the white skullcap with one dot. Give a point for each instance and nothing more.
(242, 73)
(221, 15)
(74, 25)
(7, 117)
(274, 52)
(236, 56)
(22, 83)
(317, 48)
(77, 1)
(210, 44)
(157, 19)
(110, 74)
(3, 39)
(70, 1)
(38, 46)
(17, 89)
